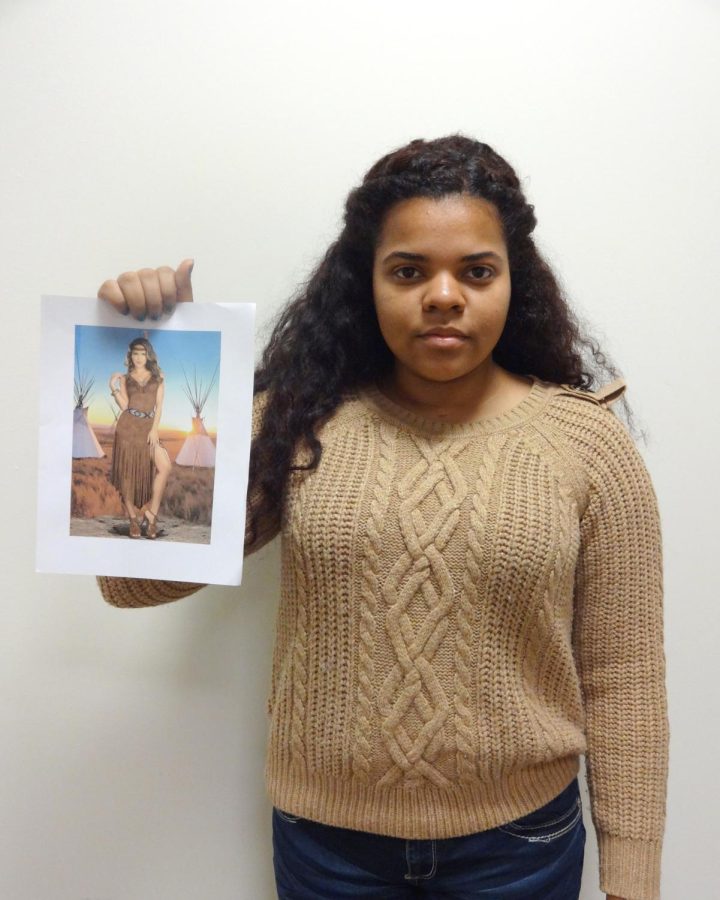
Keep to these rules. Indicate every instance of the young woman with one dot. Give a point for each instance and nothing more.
(140, 464)
(471, 551)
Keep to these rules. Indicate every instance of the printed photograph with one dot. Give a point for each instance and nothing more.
(144, 434)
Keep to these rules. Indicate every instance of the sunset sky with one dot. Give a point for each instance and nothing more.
(100, 351)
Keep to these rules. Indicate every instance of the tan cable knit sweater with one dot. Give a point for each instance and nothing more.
(465, 609)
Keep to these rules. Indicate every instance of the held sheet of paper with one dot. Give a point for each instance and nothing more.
(205, 352)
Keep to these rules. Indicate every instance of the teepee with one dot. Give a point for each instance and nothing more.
(85, 444)
(198, 449)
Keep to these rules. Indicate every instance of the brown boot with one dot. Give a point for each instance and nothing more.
(151, 531)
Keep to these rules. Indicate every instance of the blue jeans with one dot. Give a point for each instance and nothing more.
(536, 857)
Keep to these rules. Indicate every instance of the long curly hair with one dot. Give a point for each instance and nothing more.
(152, 360)
(326, 341)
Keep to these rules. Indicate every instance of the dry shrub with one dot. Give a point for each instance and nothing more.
(92, 494)
(189, 495)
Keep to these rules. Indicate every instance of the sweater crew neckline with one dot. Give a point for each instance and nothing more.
(371, 396)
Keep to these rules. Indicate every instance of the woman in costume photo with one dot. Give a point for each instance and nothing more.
(140, 465)
(472, 585)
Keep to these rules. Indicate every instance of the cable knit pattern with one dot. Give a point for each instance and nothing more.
(420, 576)
(465, 610)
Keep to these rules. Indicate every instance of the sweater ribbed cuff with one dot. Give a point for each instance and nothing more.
(139, 592)
(629, 869)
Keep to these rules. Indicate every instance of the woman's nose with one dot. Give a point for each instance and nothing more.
(443, 292)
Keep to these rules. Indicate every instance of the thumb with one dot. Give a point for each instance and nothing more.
(182, 280)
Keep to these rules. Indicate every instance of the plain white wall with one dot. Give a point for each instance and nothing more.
(137, 133)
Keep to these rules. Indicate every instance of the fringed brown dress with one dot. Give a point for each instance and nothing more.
(133, 459)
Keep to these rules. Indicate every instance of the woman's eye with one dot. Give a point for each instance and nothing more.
(483, 269)
(405, 269)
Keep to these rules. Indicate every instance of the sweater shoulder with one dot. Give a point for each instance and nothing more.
(349, 414)
(590, 430)
(605, 395)
(584, 416)
(574, 410)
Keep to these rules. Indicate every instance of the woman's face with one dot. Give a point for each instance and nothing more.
(424, 277)
(138, 356)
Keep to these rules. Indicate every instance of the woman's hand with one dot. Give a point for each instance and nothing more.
(149, 292)
(115, 381)
(153, 439)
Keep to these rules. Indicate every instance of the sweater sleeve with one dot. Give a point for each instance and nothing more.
(140, 592)
(619, 652)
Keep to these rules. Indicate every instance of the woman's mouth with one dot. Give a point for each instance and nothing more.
(443, 340)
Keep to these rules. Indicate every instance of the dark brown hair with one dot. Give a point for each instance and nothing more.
(152, 362)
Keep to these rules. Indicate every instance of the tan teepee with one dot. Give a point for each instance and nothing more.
(198, 449)
(85, 443)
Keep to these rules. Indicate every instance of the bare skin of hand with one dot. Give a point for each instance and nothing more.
(149, 292)
(115, 380)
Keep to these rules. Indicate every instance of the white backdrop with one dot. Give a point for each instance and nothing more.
(138, 133)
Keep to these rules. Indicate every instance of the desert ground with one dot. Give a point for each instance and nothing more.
(186, 511)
